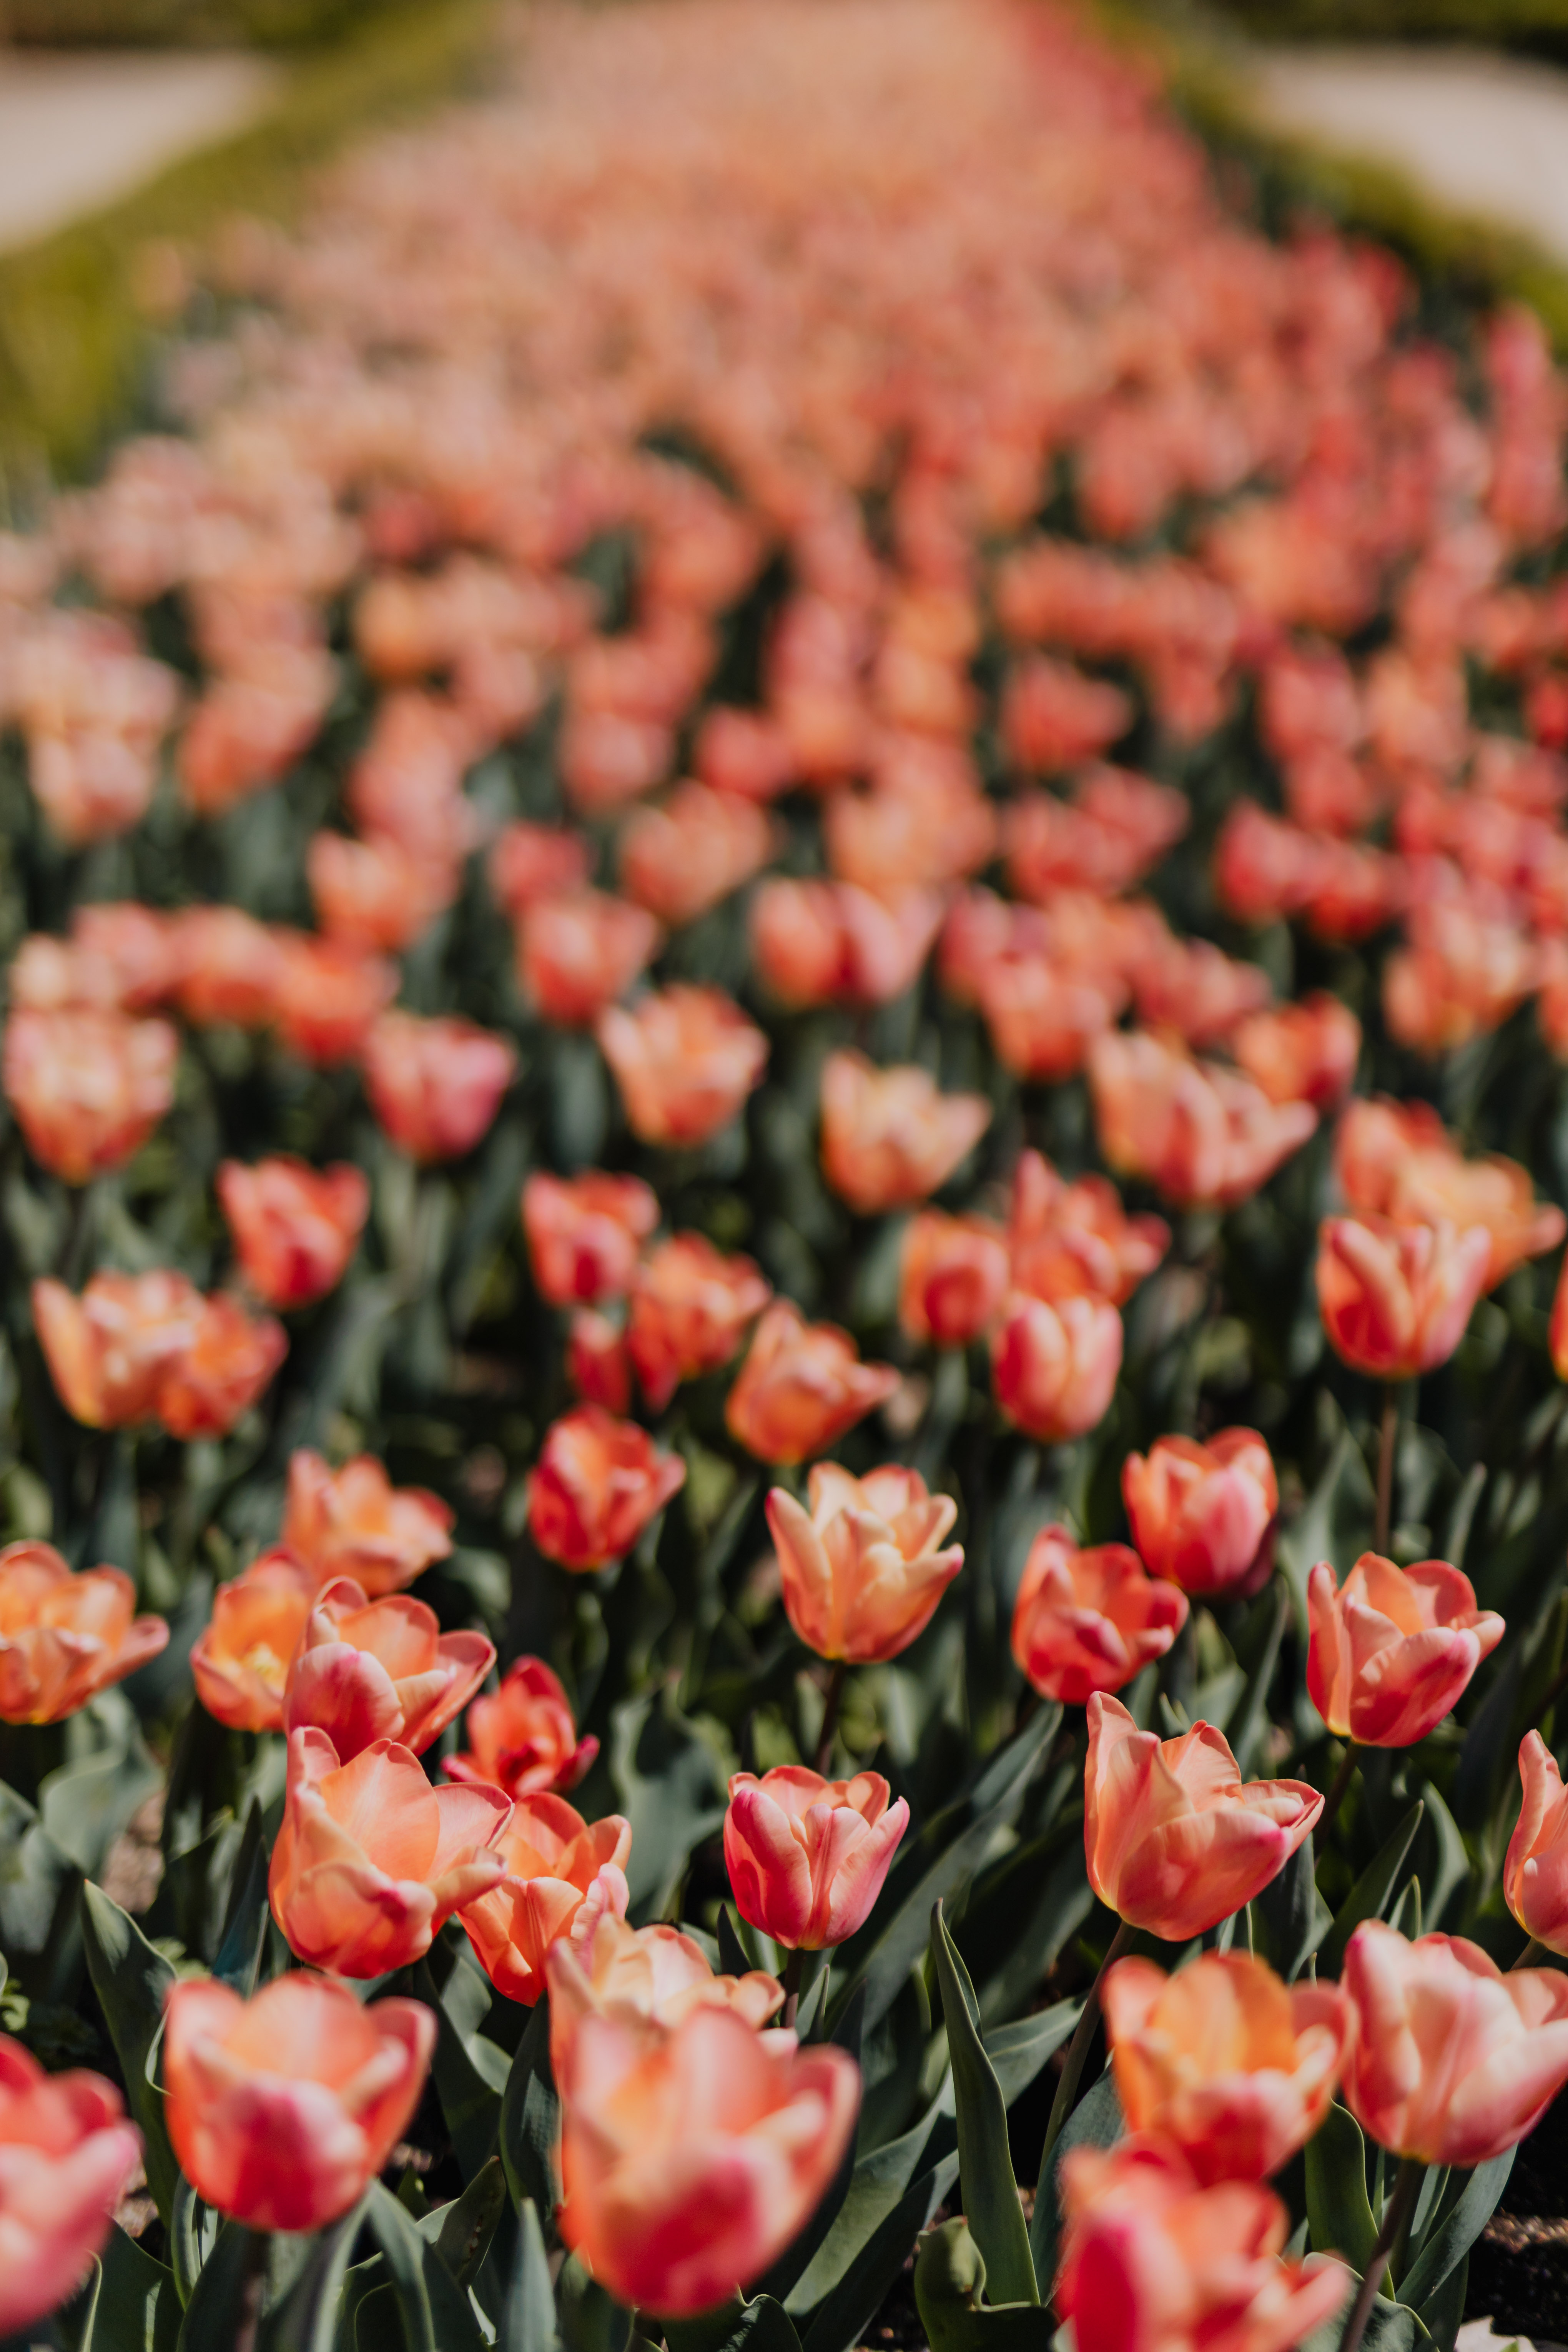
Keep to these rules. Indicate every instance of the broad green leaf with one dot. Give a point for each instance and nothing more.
(1466, 2208)
(470, 2104)
(1339, 2211)
(85, 1806)
(760, 2325)
(1336, 1522)
(1243, 1722)
(671, 1787)
(984, 2160)
(1372, 1893)
(782, 2274)
(1095, 2122)
(528, 2319)
(131, 1982)
(435, 2313)
(244, 1934)
(591, 2320)
(38, 1888)
(528, 2118)
(306, 2319)
(461, 2231)
(840, 2320)
(226, 2295)
(1290, 1918)
(136, 2307)
(950, 2275)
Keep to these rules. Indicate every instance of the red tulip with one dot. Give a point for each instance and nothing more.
(88, 1085)
(952, 1277)
(353, 1522)
(64, 1638)
(577, 954)
(241, 1657)
(1396, 1299)
(294, 1228)
(1205, 1135)
(1054, 1365)
(598, 1364)
(1392, 1648)
(863, 1570)
(1090, 1619)
(800, 1388)
(691, 1309)
(380, 1670)
(230, 1361)
(563, 1876)
(1067, 1239)
(1203, 1515)
(1535, 1873)
(110, 1349)
(522, 1738)
(597, 1482)
(685, 1060)
(650, 1972)
(435, 1086)
(584, 1233)
(889, 1137)
(807, 1857)
(1301, 1052)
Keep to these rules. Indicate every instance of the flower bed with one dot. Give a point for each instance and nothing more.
(784, 952)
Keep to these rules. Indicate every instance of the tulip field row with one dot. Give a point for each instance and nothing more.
(784, 1380)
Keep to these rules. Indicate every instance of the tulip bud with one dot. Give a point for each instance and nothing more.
(807, 1857)
(1055, 1365)
(1088, 1620)
(1203, 1515)
(1396, 1299)
(597, 1482)
(863, 1571)
(1392, 1648)
(800, 1388)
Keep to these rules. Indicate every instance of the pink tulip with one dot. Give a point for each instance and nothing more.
(806, 1856)
(1392, 1648)
(66, 2156)
(381, 1670)
(1535, 1875)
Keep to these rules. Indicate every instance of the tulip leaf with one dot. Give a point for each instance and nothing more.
(840, 2319)
(529, 2109)
(1243, 1723)
(733, 1957)
(591, 2320)
(131, 1982)
(781, 2276)
(193, 2228)
(762, 2324)
(224, 2298)
(471, 2106)
(528, 2317)
(434, 2311)
(1095, 2122)
(461, 2231)
(1290, 1918)
(950, 2274)
(670, 1784)
(243, 1937)
(1467, 2205)
(1335, 1523)
(38, 1887)
(1339, 2211)
(1442, 2313)
(84, 1806)
(307, 2318)
(984, 2159)
(133, 2306)
(1371, 1896)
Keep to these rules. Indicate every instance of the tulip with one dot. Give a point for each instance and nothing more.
(240, 1658)
(692, 2154)
(110, 1349)
(139, 945)
(742, 751)
(595, 1485)
(1396, 1299)
(329, 997)
(692, 1308)
(801, 1387)
(1043, 1018)
(598, 1364)
(435, 1086)
(807, 1857)
(1557, 1328)
(372, 896)
(654, 1972)
(230, 967)
(1176, 1839)
(584, 1233)
(863, 1570)
(1067, 1239)
(562, 1875)
(821, 943)
(371, 1860)
(522, 1738)
(1090, 1619)
(88, 1087)
(1301, 1052)
(1452, 2061)
(381, 1670)
(64, 1638)
(1398, 1161)
(230, 1359)
(1534, 1881)
(1054, 1366)
(577, 954)
(1223, 2059)
(283, 2109)
(353, 1522)
(1203, 1515)
(1206, 1136)
(529, 862)
(1150, 2258)
(67, 2154)
(685, 1060)
(889, 1137)
(1393, 1649)
(294, 1228)
(679, 859)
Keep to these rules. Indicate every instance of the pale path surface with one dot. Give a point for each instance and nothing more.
(1486, 134)
(76, 132)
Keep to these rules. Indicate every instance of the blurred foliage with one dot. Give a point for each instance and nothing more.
(183, 24)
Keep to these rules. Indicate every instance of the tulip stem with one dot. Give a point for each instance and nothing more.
(1387, 1442)
(1534, 1955)
(794, 1968)
(251, 2285)
(1391, 2240)
(1066, 2099)
(1335, 1797)
(830, 1717)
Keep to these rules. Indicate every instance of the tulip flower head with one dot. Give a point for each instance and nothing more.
(1067, 1240)
(1204, 1134)
(435, 1086)
(1176, 1839)
(241, 1657)
(369, 1670)
(1398, 1161)
(522, 1738)
(807, 1857)
(67, 2154)
(1203, 1516)
(598, 1366)
(597, 1482)
(224, 1369)
(88, 1087)
(802, 1388)
(1392, 1648)
(888, 1138)
(1452, 2061)
(864, 1569)
(691, 2155)
(294, 1227)
(685, 1060)
(576, 954)
(1088, 1620)
(64, 1638)
(691, 1309)
(952, 1278)
(1223, 2059)
(354, 1522)
(562, 1877)
(584, 1233)
(282, 2109)
(1535, 1873)
(110, 1349)
(1054, 1364)
(1306, 1052)
(654, 1972)
(1396, 1299)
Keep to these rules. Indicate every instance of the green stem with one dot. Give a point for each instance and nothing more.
(1386, 1444)
(1066, 2099)
(830, 1717)
(794, 1968)
(1534, 1956)
(1391, 2241)
(1335, 1797)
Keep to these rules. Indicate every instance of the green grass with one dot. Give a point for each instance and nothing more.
(74, 341)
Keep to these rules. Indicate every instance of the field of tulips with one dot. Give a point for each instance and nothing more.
(784, 1444)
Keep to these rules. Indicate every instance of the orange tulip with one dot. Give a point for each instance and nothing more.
(282, 2109)
(654, 1972)
(435, 1086)
(370, 1859)
(1535, 1874)
(1396, 1299)
(1150, 2258)
(354, 1522)
(821, 943)
(1054, 1364)
(1206, 1136)
(1392, 1648)
(230, 1359)
(685, 1060)
(952, 1277)
(1301, 1052)
(1066, 1239)
(889, 1137)
(577, 954)
(67, 2154)
(372, 896)
(807, 1857)
(864, 1569)
(139, 947)
(1043, 1017)
(1452, 2061)
(595, 1485)
(692, 2154)
(692, 1308)
(681, 858)
(529, 862)
(1233, 2066)
(584, 1233)
(329, 997)
(381, 1670)
(64, 1638)
(522, 1738)
(240, 1659)
(1398, 1161)
(1176, 1839)
(564, 1876)
(109, 1350)
(88, 1085)
(801, 1387)
(1203, 1515)
(230, 967)
(294, 1227)
(598, 1364)
(1090, 1619)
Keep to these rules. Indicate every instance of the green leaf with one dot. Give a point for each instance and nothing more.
(984, 2160)
(131, 1982)
(671, 1787)
(136, 2307)
(761, 2325)
(1290, 1918)
(461, 2231)
(435, 2313)
(950, 2274)
(1095, 2122)
(193, 2233)
(1442, 2313)
(85, 1806)
(783, 2274)
(1371, 1896)
(306, 2319)
(529, 2111)
(840, 2320)
(38, 1901)
(226, 2295)
(528, 2320)
(243, 1938)
(470, 2104)
(1339, 2211)
(1467, 2206)
(1246, 1718)
(1336, 1522)
(591, 2320)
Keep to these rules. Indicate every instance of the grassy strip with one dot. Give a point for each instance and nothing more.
(73, 342)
